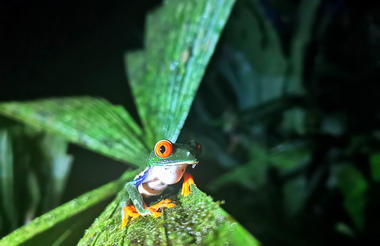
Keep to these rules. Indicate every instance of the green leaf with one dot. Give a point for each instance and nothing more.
(259, 66)
(354, 188)
(375, 166)
(7, 202)
(57, 225)
(307, 11)
(252, 175)
(58, 163)
(344, 229)
(90, 122)
(294, 121)
(295, 193)
(195, 220)
(181, 37)
(33, 172)
(256, 63)
(289, 156)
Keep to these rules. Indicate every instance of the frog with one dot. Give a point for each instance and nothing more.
(166, 165)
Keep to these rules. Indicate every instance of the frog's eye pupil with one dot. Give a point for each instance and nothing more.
(162, 149)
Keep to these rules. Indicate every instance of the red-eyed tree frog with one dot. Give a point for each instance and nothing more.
(166, 165)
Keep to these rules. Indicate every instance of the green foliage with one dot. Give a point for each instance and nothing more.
(7, 180)
(259, 68)
(181, 37)
(254, 175)
(288, 127)
(60, 226)
(195, 220)
(91, 122)
(33, 171)
(296, 166)
(354, 188)
(375, 166)
(164, 77)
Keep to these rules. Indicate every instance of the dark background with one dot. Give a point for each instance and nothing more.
(67, 49)
(63, 49)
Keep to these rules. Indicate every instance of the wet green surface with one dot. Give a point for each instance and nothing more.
(180, 38)
(196, 220)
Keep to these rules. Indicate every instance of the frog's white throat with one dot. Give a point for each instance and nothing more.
(159, 177)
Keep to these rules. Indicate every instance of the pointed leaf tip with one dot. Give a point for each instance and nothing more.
(181, 37)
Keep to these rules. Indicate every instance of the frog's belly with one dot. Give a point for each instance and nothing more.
(159, 178)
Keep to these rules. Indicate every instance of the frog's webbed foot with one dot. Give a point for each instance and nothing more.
(187, 181)
(128, 212)
(156, 208)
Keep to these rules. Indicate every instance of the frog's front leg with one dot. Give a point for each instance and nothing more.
(135, 209)
(187, 182)
(136, 198)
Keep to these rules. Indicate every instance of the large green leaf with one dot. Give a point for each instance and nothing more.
(67, 222)
(354, 187)
(259, 66)
(195, 220)
(181, 37)
(7, 202)
(33, 171)
(375, 166)
(90, 122)
(58, 163)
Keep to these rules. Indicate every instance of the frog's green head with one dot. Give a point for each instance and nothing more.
(168, 153)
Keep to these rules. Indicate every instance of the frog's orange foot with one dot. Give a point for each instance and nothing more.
(131, 212)
(128, 212)
(156, 208)
(187, 181)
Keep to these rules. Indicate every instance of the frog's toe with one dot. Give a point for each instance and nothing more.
(128, 212)
(155, 213)
(156, 208)
(124, 222)
(166, 203)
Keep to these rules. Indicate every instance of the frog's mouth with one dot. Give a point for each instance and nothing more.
(193, 163)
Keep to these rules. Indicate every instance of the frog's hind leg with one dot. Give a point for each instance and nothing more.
(187, 181)
(156, 208)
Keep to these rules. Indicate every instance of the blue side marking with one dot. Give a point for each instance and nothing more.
(140, 179)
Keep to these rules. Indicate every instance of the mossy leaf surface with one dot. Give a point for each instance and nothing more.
(196, 220)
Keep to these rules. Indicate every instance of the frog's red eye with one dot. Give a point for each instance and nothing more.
(163, 148)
